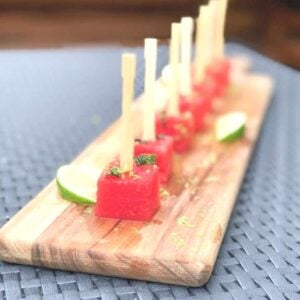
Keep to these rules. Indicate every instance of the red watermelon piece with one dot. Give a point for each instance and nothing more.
(162, 148)
(180, 128)
(198, 107)
(219, 71)
(208, 89)
(128, 196)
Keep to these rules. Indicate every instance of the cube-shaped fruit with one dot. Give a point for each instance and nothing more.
(208, 89)
(162, 148)
(180, 128)
(128, 195)
(198, 107)
(219, 71)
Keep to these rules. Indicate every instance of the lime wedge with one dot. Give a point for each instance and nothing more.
(230, 127)
(77, 184)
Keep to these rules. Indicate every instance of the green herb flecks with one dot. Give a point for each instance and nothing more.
(88, 210)
(164, 193)
(115, 171)
(182, 129)
(145, 159)
(184, 221)
(179, 242)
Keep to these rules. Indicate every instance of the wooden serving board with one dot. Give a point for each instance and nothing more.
(181, 243)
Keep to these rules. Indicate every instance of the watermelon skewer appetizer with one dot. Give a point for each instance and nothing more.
(161, 146)
(128, 188)
(204, 86)
(212, 70)
(219, 67)
(189, 101)
(171, 122)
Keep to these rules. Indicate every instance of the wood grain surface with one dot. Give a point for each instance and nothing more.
(181, 243)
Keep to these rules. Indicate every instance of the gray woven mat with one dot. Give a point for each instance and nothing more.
(54, 102)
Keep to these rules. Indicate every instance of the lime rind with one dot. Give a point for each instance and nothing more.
(70, 196)
(231, 127)
(234, 136)
(77, 184)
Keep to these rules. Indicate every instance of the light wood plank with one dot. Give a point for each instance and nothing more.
(182, 241)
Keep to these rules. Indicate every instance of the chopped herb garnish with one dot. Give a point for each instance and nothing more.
(184, 221)
(88, 210)
(182, 129)
(209, 160)
(178, 240)
(115, 171)
(180, 243)
(145, 159)
(164, 193)
(135, 229)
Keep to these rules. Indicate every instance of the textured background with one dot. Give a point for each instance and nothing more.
(269, 26)
(54, 102)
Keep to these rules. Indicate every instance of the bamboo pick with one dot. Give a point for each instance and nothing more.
(222, 9)
(212, 27)
(127, 140)
(219, 8)
(198, 46)
(187, 24)
(150, 55)
(201, 55)
(173, 108)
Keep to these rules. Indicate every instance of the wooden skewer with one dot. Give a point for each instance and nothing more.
(205, 40)
(187, 25)
(218, 16)
(212, 27)
(198, 47)
(150, 55)
(173, 108)
(127, 141)
(222, 9)
(201, 55)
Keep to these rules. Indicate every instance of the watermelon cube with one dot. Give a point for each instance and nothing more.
(220, 72)
(198, 107)
(162, 148)
(208, 89)
(128, 196)
(180, 128)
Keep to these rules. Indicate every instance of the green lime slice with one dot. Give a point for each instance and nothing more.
(230, 127)
(78, 184)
